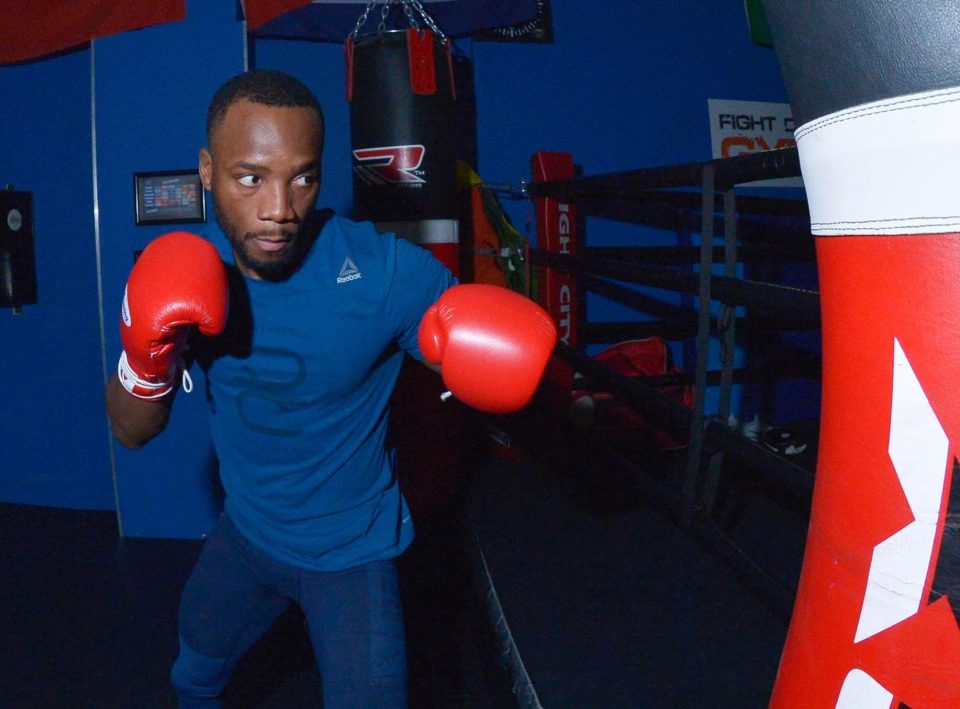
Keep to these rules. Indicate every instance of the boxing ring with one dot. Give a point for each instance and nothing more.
(598, 586)
(595, 271)
(873, 619)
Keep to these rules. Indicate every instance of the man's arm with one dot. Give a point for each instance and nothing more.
(136, 421)
(177, 283)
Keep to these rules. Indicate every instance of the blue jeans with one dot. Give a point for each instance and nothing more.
(235, 594)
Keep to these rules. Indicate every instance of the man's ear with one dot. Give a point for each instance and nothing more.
(206, 168)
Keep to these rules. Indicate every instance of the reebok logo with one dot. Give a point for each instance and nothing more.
(348, 272)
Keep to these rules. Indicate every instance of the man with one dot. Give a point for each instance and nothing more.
(321, 312)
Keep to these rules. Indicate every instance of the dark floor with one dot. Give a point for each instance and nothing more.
(88, 620)
(611, 604)
(605, 600)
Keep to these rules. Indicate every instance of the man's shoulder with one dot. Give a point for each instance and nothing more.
(393, 254)
(333, 222)
(363, 238)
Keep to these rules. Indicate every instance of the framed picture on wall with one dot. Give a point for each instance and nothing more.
(538, 29)
(169, 197)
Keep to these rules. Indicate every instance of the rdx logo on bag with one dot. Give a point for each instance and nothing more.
(393, 164)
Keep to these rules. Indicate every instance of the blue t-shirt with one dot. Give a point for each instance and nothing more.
(299, 385)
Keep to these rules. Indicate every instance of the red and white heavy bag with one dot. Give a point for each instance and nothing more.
(874, 89)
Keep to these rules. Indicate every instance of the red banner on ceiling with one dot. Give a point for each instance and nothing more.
(259, 12)
(333, 20)
(33, 29)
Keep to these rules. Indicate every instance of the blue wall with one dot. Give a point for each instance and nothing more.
(53, 429)
(622, 88)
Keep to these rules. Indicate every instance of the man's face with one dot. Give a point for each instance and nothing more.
(263, 168)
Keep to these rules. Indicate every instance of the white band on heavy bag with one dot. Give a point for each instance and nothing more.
(859, 181)
(141, 388)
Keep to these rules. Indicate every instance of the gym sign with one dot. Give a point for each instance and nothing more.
(738, 127)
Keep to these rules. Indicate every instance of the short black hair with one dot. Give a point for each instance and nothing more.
(264, 86)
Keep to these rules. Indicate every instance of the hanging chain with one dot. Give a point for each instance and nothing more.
(415, 4)
(382, 27)
(409, 6)
(363, 18)
(408, 11)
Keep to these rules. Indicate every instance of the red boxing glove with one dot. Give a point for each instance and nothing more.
(492, 345)
(179, 280)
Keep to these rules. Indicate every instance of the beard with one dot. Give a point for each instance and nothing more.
(272, 266)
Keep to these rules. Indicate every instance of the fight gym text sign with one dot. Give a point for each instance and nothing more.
(738, 127)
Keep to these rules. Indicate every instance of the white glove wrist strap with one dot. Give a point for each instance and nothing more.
(142, 388)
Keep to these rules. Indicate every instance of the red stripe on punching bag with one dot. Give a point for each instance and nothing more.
(423, 69)
(348, 46)
(441, 237)
(448, 255)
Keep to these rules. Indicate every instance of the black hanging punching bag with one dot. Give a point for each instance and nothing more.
(402, 124)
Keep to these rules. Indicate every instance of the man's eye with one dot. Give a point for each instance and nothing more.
(305, 180)
(249, 180)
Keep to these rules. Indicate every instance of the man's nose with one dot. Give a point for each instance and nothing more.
(276, 204)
